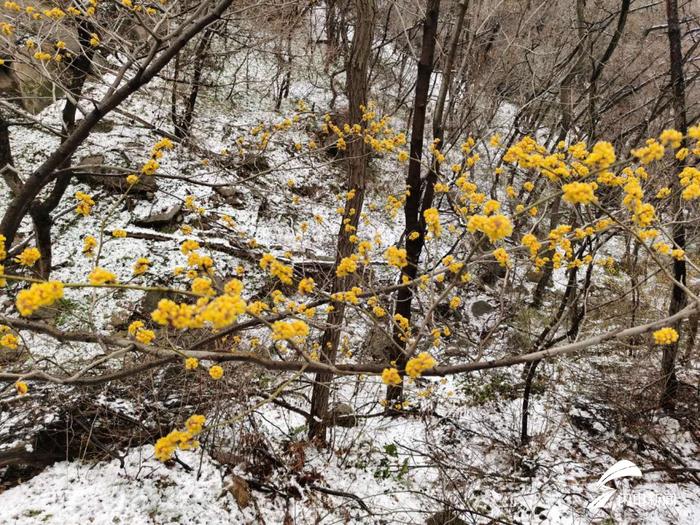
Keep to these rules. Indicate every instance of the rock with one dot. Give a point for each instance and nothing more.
(533, 276)
(151, 300)
(104, 126)
(91, 170)
(231, 195)
(480, 308)
(119, 319)
(161, 219)
(445, 517)
(376, 344)
(342, 415)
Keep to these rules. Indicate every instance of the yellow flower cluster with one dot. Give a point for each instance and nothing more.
(601, 157)
(202, 286)
(166, 446)
(294, 330)
(219, 312)
(306, 286)
(8, 339)
(100, 276)
(690, 180)
(85, 204)
(390, 376)
(346, 266)
(37, 296)
(402, 322)
(432, 221)
(141, 265)
(277, 269)
(216, 372)
(141, 334)
(28, 257)
(396, 257)
(89, 245)
(348, 296)
(496, 227)
(501, 257)
(649, 153)
(671, 137)
(531, 242)
(665, 336)
(419, 364)
(579, 192)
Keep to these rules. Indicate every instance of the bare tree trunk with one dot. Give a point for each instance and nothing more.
(357, 89)
(6, 162)
(199, 55)
(412, 208)
(678, 296)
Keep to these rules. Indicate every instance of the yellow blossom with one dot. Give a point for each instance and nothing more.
(100, 276)
(38, 296)
(28, 257)
(306, 286)
(665, 336)
(390, 376)
(216, 372)
(419, 364)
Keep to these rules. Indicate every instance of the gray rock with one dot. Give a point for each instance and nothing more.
(91, 170)
(161, 219)
(533, 276)
(480, 308)
(231, 195)
(251, 163)
(342, 415)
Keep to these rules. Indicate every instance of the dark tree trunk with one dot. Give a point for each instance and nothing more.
(678, 296)
(357, 68)
(413, 206)
(598, 68)
(6, 162)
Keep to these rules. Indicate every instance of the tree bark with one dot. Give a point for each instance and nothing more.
(357, 88)
(413, 206)
(678, 296)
